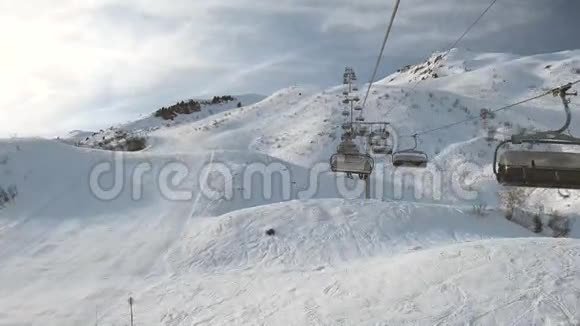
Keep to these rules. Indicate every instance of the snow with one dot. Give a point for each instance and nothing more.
(412, 255)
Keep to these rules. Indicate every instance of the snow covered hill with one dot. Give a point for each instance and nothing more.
(143, 126)
(180, 226)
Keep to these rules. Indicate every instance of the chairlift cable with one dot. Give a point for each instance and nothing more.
(551, 91)
(461, 37)
(387, 33)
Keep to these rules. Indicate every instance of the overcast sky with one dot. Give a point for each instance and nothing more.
(70, 64)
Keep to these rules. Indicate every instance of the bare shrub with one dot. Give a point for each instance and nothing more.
(560, 225)
(511, 199)
(456, 103)
(538, 225)
(7, 195)
(134, 144)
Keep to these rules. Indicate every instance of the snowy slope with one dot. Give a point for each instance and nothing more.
(142, 251)
(496, 282)
(415, 255)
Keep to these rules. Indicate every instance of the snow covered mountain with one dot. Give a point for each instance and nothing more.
(180, 226)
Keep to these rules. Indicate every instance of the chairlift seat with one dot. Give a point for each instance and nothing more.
(410, 159)
(376, 139)
(361, 164)
(539, 169)
(381, 149)
(360, 119)
(363, 130)
(345, 101)
(345, 113)
(347, 147)
(346, 135)
(358, 108)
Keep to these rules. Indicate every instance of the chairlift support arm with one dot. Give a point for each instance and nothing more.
(557, 134)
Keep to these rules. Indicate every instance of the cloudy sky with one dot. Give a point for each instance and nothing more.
(70, 64)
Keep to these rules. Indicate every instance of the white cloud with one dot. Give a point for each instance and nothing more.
(65, 61)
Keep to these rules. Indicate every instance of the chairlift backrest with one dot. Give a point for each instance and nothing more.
(347, 147)
(410, 158)
(539, 169)
(361, 164)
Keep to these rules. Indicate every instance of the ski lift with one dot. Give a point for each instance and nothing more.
(348, 159)
(356, 99)
(346, 135)
(379, 143)
(360, 119)
(376, 137)
(410, 157)
(363, 130)
(345, 93)
(358, 108)
(346, 113)
(346, 126)
(541, 169)
(380, 150)
(355, 89)
(345, 101)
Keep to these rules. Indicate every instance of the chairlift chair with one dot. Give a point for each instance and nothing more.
(347, 147)
(346, 126)
(346, 113)
(387, 150)
(355, 89)
(356, 99)
(360, 119)
(360, 164)
(540, 169)
(410, 157)
(348, 159)
(378, 137)
(345, 101)
(346, 135)
(374, 139)
(379, 143)
(363, 131)
(345, 93)
(358, 108)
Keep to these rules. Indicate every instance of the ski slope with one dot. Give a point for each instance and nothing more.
(415, 254)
